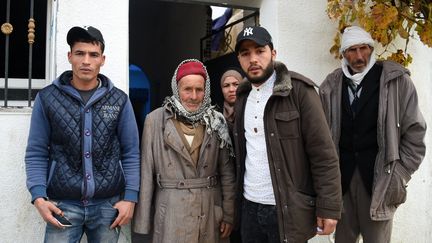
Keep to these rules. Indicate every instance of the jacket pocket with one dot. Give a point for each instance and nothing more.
(396, 193)
(302, 220)
(287, 123)
(159, 218)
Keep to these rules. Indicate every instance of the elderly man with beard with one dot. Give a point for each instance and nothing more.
(187, 184)
(287, 166)
(372, 109)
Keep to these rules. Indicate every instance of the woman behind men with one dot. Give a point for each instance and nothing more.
(229, 83)
(230, 80)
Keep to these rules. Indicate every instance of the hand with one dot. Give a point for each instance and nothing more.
(46, 210)
(327, 226)
(225, 229)
(125, 213)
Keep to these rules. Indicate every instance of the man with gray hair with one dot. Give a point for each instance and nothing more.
(372, 110)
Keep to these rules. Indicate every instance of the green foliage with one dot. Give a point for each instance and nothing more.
(385, 20)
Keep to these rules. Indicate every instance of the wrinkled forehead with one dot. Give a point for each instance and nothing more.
(359, 46)
(192, 80)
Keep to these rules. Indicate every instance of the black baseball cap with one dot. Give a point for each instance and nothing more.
(84, 33)
(257, 34)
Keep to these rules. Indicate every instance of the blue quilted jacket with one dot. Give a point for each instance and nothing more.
(80, 151)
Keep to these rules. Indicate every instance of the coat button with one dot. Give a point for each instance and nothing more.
(87, 154)
(272, 134)
(87, 132)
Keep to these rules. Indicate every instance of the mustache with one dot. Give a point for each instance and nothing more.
(194, 102)
(253, 66)
(357, 62)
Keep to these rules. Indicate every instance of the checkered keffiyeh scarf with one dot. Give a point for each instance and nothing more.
(206, 114)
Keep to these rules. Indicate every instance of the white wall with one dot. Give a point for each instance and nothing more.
(303, 35)
(18, 216)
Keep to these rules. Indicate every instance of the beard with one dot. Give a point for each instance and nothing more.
(352, 67)
(267, 72)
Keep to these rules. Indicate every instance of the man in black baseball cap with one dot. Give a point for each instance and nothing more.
(255, 33)
(82, 157)
(289, 179)
(85, 34)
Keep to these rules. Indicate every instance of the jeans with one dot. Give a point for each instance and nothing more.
(259, 223)
(93, 220)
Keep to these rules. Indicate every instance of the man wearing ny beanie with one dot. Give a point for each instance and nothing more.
(372, 109)
(187, 183)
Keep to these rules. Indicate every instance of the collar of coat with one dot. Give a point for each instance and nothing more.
(283, 82)
(391, 70)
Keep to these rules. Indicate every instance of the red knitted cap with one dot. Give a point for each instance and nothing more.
(191, 68)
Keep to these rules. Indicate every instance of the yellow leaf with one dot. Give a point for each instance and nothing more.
(400, 57)
(425, 34)
(403, 33)
(384, 15)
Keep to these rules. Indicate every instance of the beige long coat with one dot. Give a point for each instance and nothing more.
(182, 215)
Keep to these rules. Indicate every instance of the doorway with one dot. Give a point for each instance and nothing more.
(163, 33)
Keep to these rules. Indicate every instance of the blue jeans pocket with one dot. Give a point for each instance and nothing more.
(108, 212)
(69, 234)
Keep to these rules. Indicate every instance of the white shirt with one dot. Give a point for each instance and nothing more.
(189, 139)
(257, 181)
